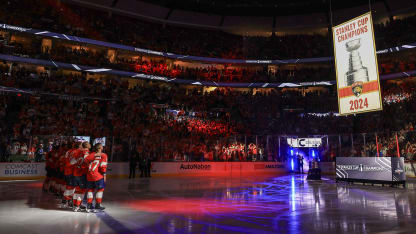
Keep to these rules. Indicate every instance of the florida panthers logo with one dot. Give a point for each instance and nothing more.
(357, 88)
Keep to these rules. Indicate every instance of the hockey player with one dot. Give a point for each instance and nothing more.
(96, 177)
(80, 174)
(60, 169)
(68, 174)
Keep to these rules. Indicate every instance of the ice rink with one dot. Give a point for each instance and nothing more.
(255, 204)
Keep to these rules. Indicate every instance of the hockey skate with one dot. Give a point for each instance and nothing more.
(90, 208)
(99, 207)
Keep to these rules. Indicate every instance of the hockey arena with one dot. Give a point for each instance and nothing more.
(207, 116)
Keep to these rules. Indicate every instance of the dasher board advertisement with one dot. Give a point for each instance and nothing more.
(370, 168)
(356, 66)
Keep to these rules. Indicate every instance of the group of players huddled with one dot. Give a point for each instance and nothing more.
(72, 170)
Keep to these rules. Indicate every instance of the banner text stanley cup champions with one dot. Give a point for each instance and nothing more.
(356, 66)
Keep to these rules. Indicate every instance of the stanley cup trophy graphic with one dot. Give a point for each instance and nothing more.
(357, 74)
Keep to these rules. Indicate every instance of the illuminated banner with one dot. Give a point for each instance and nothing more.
(356, 66)
(99, 140)
(370, 168)
(82, 138)
(304, 142)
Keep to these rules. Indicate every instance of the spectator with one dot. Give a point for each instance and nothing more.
(39, 153)
(133, 164)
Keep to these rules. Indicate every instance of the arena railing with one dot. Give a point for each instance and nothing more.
(44, 33)
(237, 148)
(133, 75)
(101, 70)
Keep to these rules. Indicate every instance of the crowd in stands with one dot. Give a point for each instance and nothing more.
(173, 123)
(167, 68)
(291, 46)
(82, 55)
(57, 16)
(387, 144)
(170, 122)
(395, 93)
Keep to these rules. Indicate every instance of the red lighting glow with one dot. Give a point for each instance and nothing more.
(188, 206)
(34, 185)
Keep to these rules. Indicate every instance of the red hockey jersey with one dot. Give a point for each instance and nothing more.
(97, 166)
(79, 156)
(68, 167)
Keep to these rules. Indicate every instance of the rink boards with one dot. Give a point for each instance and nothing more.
(12, 171)
(23, 171)
(216, 168)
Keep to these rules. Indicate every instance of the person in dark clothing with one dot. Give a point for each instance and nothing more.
(300, 163)
(39, 153)
(142, 166)
(133, 165)
(148, 166)
(3, 151)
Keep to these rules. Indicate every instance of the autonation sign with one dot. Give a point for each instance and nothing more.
(304, 142)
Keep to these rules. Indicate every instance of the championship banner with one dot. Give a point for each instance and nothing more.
(356, 66)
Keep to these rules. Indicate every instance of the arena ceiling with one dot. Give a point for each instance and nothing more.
(259, 7)
(254, 17)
